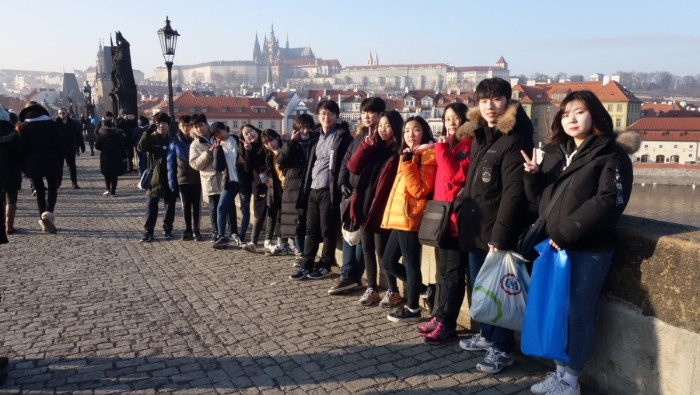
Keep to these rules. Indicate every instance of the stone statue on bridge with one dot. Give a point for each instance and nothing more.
(124, 92)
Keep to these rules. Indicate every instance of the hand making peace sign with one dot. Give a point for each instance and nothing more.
(530, 164)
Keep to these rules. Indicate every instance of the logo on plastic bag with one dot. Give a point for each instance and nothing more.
(510, 284)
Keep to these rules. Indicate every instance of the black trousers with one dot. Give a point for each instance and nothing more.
(321, 226)
(451, 265)
(190, 197)
(111, 183)
(46, 203)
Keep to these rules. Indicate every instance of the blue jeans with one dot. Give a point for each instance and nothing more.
(245, 213)
(353, 262)
(405, 244)
(213, 205)
(588, 272)
(228, 194)
(502, 338)
(143, 161)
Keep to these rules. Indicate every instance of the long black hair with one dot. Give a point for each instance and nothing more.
(601, 121)
(461, 110)
(427, 132)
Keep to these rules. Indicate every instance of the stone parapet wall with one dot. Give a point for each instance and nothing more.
(666, 174)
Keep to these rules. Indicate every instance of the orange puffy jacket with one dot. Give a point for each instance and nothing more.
(409, 193)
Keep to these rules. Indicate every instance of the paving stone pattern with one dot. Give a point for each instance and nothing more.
(93, 310)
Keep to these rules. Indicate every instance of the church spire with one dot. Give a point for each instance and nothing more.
(287, 40)
(256, 50)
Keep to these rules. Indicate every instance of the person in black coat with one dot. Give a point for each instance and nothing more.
(255, 166)
(42, 150)
(10, 174)
(72, 135)
(490, 207)
(292, 159)
(154, 143)
(585, 151)
(320, 193)
(110, 142)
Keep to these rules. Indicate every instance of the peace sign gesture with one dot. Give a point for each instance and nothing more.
(369, 139)
(530, 164)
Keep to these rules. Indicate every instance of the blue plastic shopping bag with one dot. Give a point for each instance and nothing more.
(546, 322)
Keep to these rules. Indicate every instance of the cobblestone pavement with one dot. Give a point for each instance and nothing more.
(93, 310)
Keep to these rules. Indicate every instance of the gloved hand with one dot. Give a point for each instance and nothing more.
(407, 156)
(263, 178)
(346, 191)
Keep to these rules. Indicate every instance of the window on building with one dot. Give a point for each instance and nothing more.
(609, 107)
(619, 107)
(239, 109)
(263, 110)
(618, 122)
(205, 109)
(243, 123)
(255, 109)
(535, 122)
(176, 109)
(193, 109)
(661, 145)
(260, 126)
(549, 108)
(675, 146)
(224, 109)
(272, 124)
(235, 124)
(646, 145)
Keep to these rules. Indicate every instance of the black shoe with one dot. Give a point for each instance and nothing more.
(214, 236)
(221, 243)
(343, 285)
(147, 237)
(197, 236)
(168, 235)
(403, 314)
(75, 185)
(187, 236)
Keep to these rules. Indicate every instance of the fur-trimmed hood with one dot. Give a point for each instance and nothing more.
(505, 124)
(630, 141)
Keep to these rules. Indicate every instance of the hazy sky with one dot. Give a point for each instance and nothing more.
(574, 37)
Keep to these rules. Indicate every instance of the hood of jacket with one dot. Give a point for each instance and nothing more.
(506, 122)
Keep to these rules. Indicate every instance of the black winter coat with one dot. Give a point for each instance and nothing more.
(156, 149)
(10, 167)
(341, 142)
(292, 159)
(254, 165)
(587, 211)
(71, 133)
(491, 208)
(113, 151)
(40, 145)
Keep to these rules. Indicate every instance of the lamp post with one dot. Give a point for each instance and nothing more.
(87, 93)
(168, 41)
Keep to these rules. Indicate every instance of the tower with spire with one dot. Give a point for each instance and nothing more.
(256, 50)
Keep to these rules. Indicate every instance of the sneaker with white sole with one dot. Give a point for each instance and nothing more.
(299, 275)
(370, 297)
(564, 388)
(276, 251)
(343, 285)
(268, 244)
(390, 299)
(495, 361)
(235, 240)
(48, 219)
(546, 385)
(319, 273)
(403, 314)
(475, 343)
(250, 247)
(297, 259)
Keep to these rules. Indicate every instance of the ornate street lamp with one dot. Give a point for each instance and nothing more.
(87, 94)
(168, 41)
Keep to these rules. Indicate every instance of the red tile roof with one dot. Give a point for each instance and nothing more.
(666, 124)
(544, 93)
(224, 107)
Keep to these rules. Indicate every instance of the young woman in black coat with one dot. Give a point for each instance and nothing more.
(112, 147)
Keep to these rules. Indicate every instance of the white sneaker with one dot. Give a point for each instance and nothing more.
(564, 388)
(546, 385)
(495, 361)
(250, 247)
(268, 245)
(105, 193)
(475, 343)
(235, 240)
(48, 219)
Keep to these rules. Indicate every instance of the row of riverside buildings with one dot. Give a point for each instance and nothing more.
(668, 136)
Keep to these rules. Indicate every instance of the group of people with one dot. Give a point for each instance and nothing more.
(372, 187)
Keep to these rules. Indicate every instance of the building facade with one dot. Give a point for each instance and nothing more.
(668, 140)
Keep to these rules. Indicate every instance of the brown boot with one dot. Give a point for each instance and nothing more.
(10, 210)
